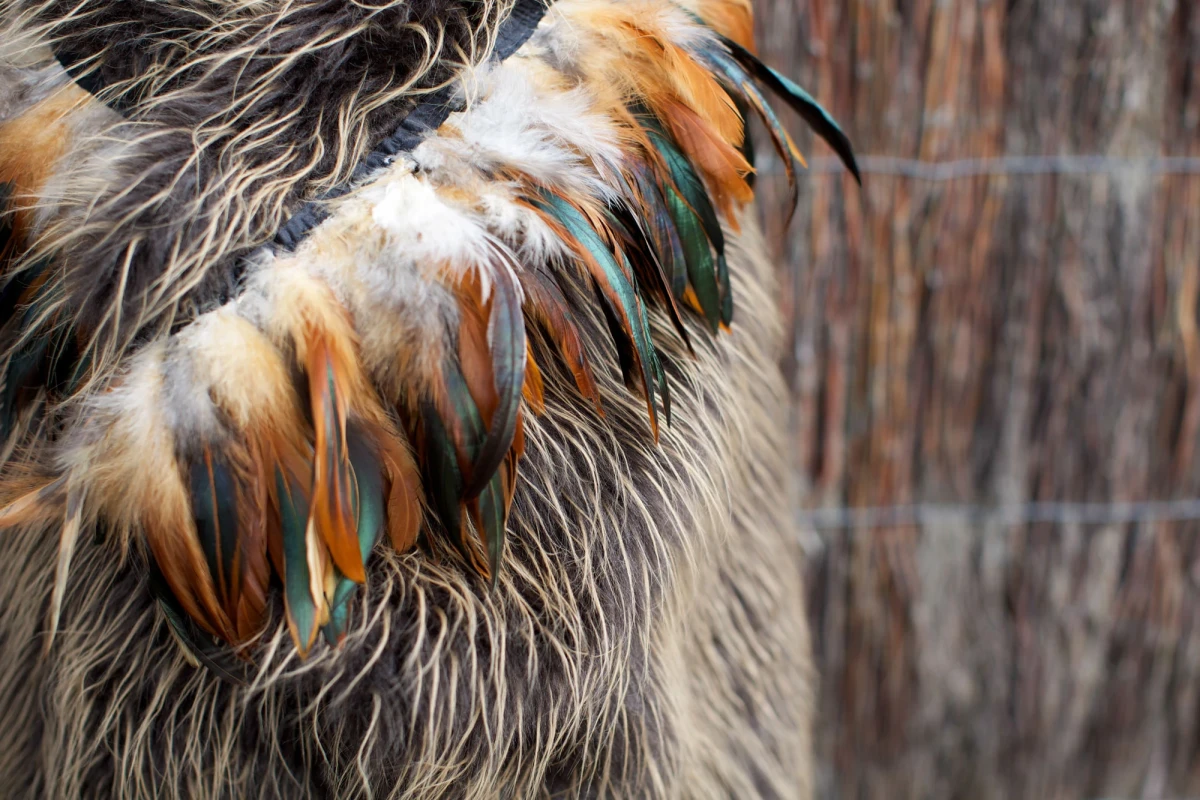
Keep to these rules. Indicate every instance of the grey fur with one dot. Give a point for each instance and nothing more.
(647, 638)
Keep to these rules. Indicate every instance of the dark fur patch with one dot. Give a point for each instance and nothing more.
(277, 99)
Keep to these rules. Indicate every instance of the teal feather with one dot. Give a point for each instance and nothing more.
(297, 579)
(444, 477)
(620, 289)
(699, 257)
(491, 519)
(812, 112)
(639, 248)
(368, 497)
(661, 230)
(726, 290)
(690, 187)
(695, 222)
(742, 84)
(215, 512)
(506, 341)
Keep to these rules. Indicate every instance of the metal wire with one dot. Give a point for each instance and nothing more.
(939, 171)
(1023, 514)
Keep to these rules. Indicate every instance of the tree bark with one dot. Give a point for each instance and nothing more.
(997, 334)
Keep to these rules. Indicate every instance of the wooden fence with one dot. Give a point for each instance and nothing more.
(1005, 315)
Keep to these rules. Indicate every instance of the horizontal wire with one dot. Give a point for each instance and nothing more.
(1020, 514)
(938, 171)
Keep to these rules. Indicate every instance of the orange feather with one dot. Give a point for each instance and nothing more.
(404, 496)
(333, 508)
(533, 391)
(171, 536)
(722, 165)
(733, 19)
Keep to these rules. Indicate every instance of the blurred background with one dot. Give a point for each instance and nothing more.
(996, 380)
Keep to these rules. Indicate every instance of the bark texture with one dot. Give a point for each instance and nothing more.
(1002, 338)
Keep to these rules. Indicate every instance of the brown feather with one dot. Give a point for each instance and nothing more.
(38, 500)
(31, 145)
(332, 502)
(171, 536)
(533, 391)
(473, 352)
(404, 508)
(249, 612)
(720, 163)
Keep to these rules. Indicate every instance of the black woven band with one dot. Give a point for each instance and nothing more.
(425, 118)
(88, 80)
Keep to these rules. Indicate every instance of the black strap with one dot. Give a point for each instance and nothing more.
(425, 118)
(85, 75)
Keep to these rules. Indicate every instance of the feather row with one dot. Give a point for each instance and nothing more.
(302, 494)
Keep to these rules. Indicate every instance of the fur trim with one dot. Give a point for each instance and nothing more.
(439, 336)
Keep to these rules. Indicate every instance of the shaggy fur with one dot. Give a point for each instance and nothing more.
(287, 96)
(646, 635)
(647, 638)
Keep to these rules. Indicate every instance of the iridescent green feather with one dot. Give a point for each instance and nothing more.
(297, 578)
(367, 496)
(506, 343)
(620, 288)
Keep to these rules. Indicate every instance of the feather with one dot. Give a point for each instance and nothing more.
(740, 81)
(506, 343)
(696, 223)
(534, 391)
(37, 504)
(489, 514)
(214, 509)
(249, 614)
(660, 227)
(367, 498)
(174, 541)
(478, 404)
(444, 475)
(726, 290)
(748, 151)
(702, 292)
(731, 18)
(663, 361)
(403, 494)
(546, 303)
(687, 182)
(636, 247)
(367, 490)
(300, 561)
(194, 643)
(669, 72)
(723, 167)
(616, 289)
(801, 102)
(333, 508)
